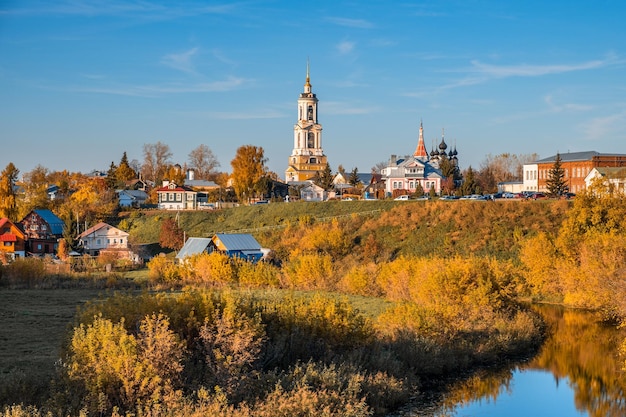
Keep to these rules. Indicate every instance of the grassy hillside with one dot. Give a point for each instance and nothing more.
(445, 228)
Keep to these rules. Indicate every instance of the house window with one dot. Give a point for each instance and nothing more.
(97, 241)
(7, 243)
(121, 241)
(179, 197)
(108, 241)
(39, 246)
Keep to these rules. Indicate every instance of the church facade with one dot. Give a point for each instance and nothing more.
(405, 175)
(307, 157)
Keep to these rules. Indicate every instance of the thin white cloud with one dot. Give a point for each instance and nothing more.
(524, 70)
(182, 61)
(480, 73)
(564, 107)
(608, 126)
(120, 8)
(228, 84)
(352, 23)
(345, 47)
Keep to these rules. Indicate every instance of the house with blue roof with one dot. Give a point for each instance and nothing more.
(43, 229)
(235, 245)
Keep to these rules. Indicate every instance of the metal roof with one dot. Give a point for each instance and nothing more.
(193, 246)
(576, 156)
(135, 194)
(56, 224)
(238, 241)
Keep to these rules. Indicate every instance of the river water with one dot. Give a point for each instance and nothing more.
(577, 372)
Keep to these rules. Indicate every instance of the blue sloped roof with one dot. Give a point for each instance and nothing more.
(193, 246)
(238, 241)
(56, 225)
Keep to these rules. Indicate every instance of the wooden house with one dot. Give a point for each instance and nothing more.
(12, 240)
(131, 198)
(43, 229)
(177, 197)
(235, 245)
(102, 237)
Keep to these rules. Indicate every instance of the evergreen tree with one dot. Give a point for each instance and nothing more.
(111, 179)
(555, 182)
(325, 178)
(469, 185)
(354, 177)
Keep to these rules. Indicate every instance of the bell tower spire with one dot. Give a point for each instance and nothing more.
(307, 157)
(307, 83)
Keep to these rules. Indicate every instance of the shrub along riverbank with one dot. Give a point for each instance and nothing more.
(226, 343)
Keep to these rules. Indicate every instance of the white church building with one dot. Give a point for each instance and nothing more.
(404, 175)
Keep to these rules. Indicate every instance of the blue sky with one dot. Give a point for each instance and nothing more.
(82, 81)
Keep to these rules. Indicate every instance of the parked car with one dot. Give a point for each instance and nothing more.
(402, 198)
(538, 196)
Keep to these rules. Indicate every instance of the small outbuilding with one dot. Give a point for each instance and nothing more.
(193, 246)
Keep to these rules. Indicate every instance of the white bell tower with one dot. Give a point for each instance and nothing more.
(307, 157)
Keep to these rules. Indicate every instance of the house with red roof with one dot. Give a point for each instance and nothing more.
(177, 197)
(12, 240)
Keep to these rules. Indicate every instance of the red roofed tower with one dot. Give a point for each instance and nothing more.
(420, 151)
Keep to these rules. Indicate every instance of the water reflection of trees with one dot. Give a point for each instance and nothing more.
(579, 348)
(585, 351)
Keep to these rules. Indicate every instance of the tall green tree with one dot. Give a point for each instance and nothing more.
(8, 198)
(325, 178)
(353, 180)
(111, 179)
(470, 186)
(451, 174)
(248, 170)
(555, 182)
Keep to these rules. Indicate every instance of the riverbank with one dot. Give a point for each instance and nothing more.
(383, 361)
